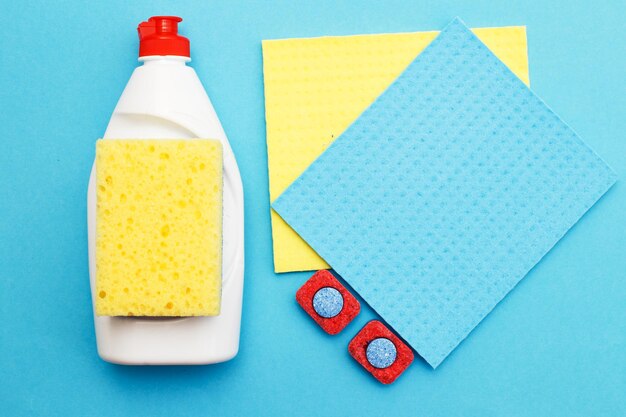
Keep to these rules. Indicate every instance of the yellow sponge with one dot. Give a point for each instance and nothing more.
(158, 227)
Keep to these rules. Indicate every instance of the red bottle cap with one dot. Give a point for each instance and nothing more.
(159, 36)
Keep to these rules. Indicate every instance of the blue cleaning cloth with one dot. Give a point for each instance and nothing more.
(445, 192)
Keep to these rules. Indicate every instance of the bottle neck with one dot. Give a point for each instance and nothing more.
(168, 59)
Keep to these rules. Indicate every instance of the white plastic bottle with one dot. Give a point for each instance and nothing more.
(164, 99)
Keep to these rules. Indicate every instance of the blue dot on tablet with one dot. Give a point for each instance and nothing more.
(327, 302)
(381, 353)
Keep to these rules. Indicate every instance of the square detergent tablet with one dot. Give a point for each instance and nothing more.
(380, 352)
(328, 302)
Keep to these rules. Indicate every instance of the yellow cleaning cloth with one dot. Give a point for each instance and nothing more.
(315, 88)
(158, 227)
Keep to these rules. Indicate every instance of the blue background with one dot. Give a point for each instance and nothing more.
(555, 346)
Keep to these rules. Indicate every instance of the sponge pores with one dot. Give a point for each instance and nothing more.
(158, 227)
